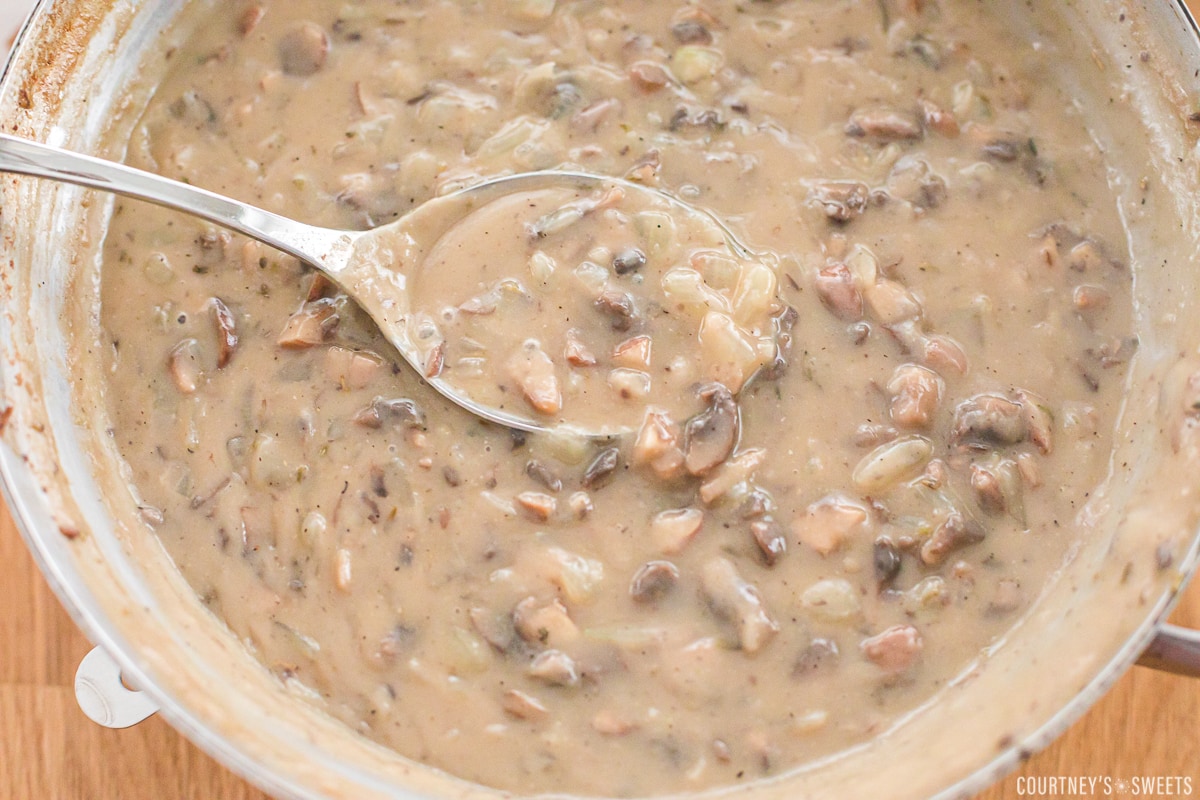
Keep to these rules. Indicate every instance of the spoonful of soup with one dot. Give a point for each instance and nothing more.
(540, 301)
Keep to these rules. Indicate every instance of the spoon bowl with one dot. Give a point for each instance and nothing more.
(510, 298)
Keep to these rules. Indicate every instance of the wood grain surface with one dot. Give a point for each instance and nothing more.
(1148, 725)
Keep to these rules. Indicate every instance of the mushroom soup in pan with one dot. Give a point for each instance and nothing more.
(876, 439)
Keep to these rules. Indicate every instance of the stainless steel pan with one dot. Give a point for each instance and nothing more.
(80, 65)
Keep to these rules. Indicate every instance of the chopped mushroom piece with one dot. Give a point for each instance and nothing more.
(533, 372)
(828, 522)
(768, 535)
(581, 504)
(628, 260)
(304, 49)
(691, 31)
(943, 354)
(543, 475)
(819, 654)
(576, 352)
(885, 558)
(609, 723)
(1038, 421)
(894, 650)
(311, 325)
(954, 532)
(937, 119)
(657, 436)
(737, 602)
(913, 180)
(648, 76)
(988, 420)
(915, 394)
(709, 437)
(250, 19)
(184, 365)
(619, 307)
(841, 201)
(523, 705)
(398, 410)
(1006, 598)
(998, 484)
(839, 292)
(548, 624)
(601, 468)
(227, 338)
(653, 580)
(555, 668)
(496, 629)
(884, 125)
(536, 505)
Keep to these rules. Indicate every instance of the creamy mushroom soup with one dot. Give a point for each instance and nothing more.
(854, 459)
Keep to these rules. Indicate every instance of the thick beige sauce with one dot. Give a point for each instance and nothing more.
(570, 303)
(712, 600)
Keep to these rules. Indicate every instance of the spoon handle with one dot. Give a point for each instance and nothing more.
(322, 247)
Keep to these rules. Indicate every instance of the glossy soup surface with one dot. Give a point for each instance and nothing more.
(932, 344)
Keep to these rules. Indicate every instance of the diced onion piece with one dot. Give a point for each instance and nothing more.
(657, 230)
(672, 530)
(633, 353)
(891, 462)
(541, 267)
(532, 10)
(629, 384)
(729, 354)
(352, 369)
(738, 602)
(692, 63)
(755, 295)
(735, 470)
(577, 576)
(592, 277)
(719, 270)
(657, 435)
(863, 265)
(685, 287)
(832, 599)
(465, 652)
(509, 137)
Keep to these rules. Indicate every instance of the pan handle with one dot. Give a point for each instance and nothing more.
(1174, 649)
(104, 698)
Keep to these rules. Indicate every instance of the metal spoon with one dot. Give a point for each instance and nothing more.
(360, 262)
